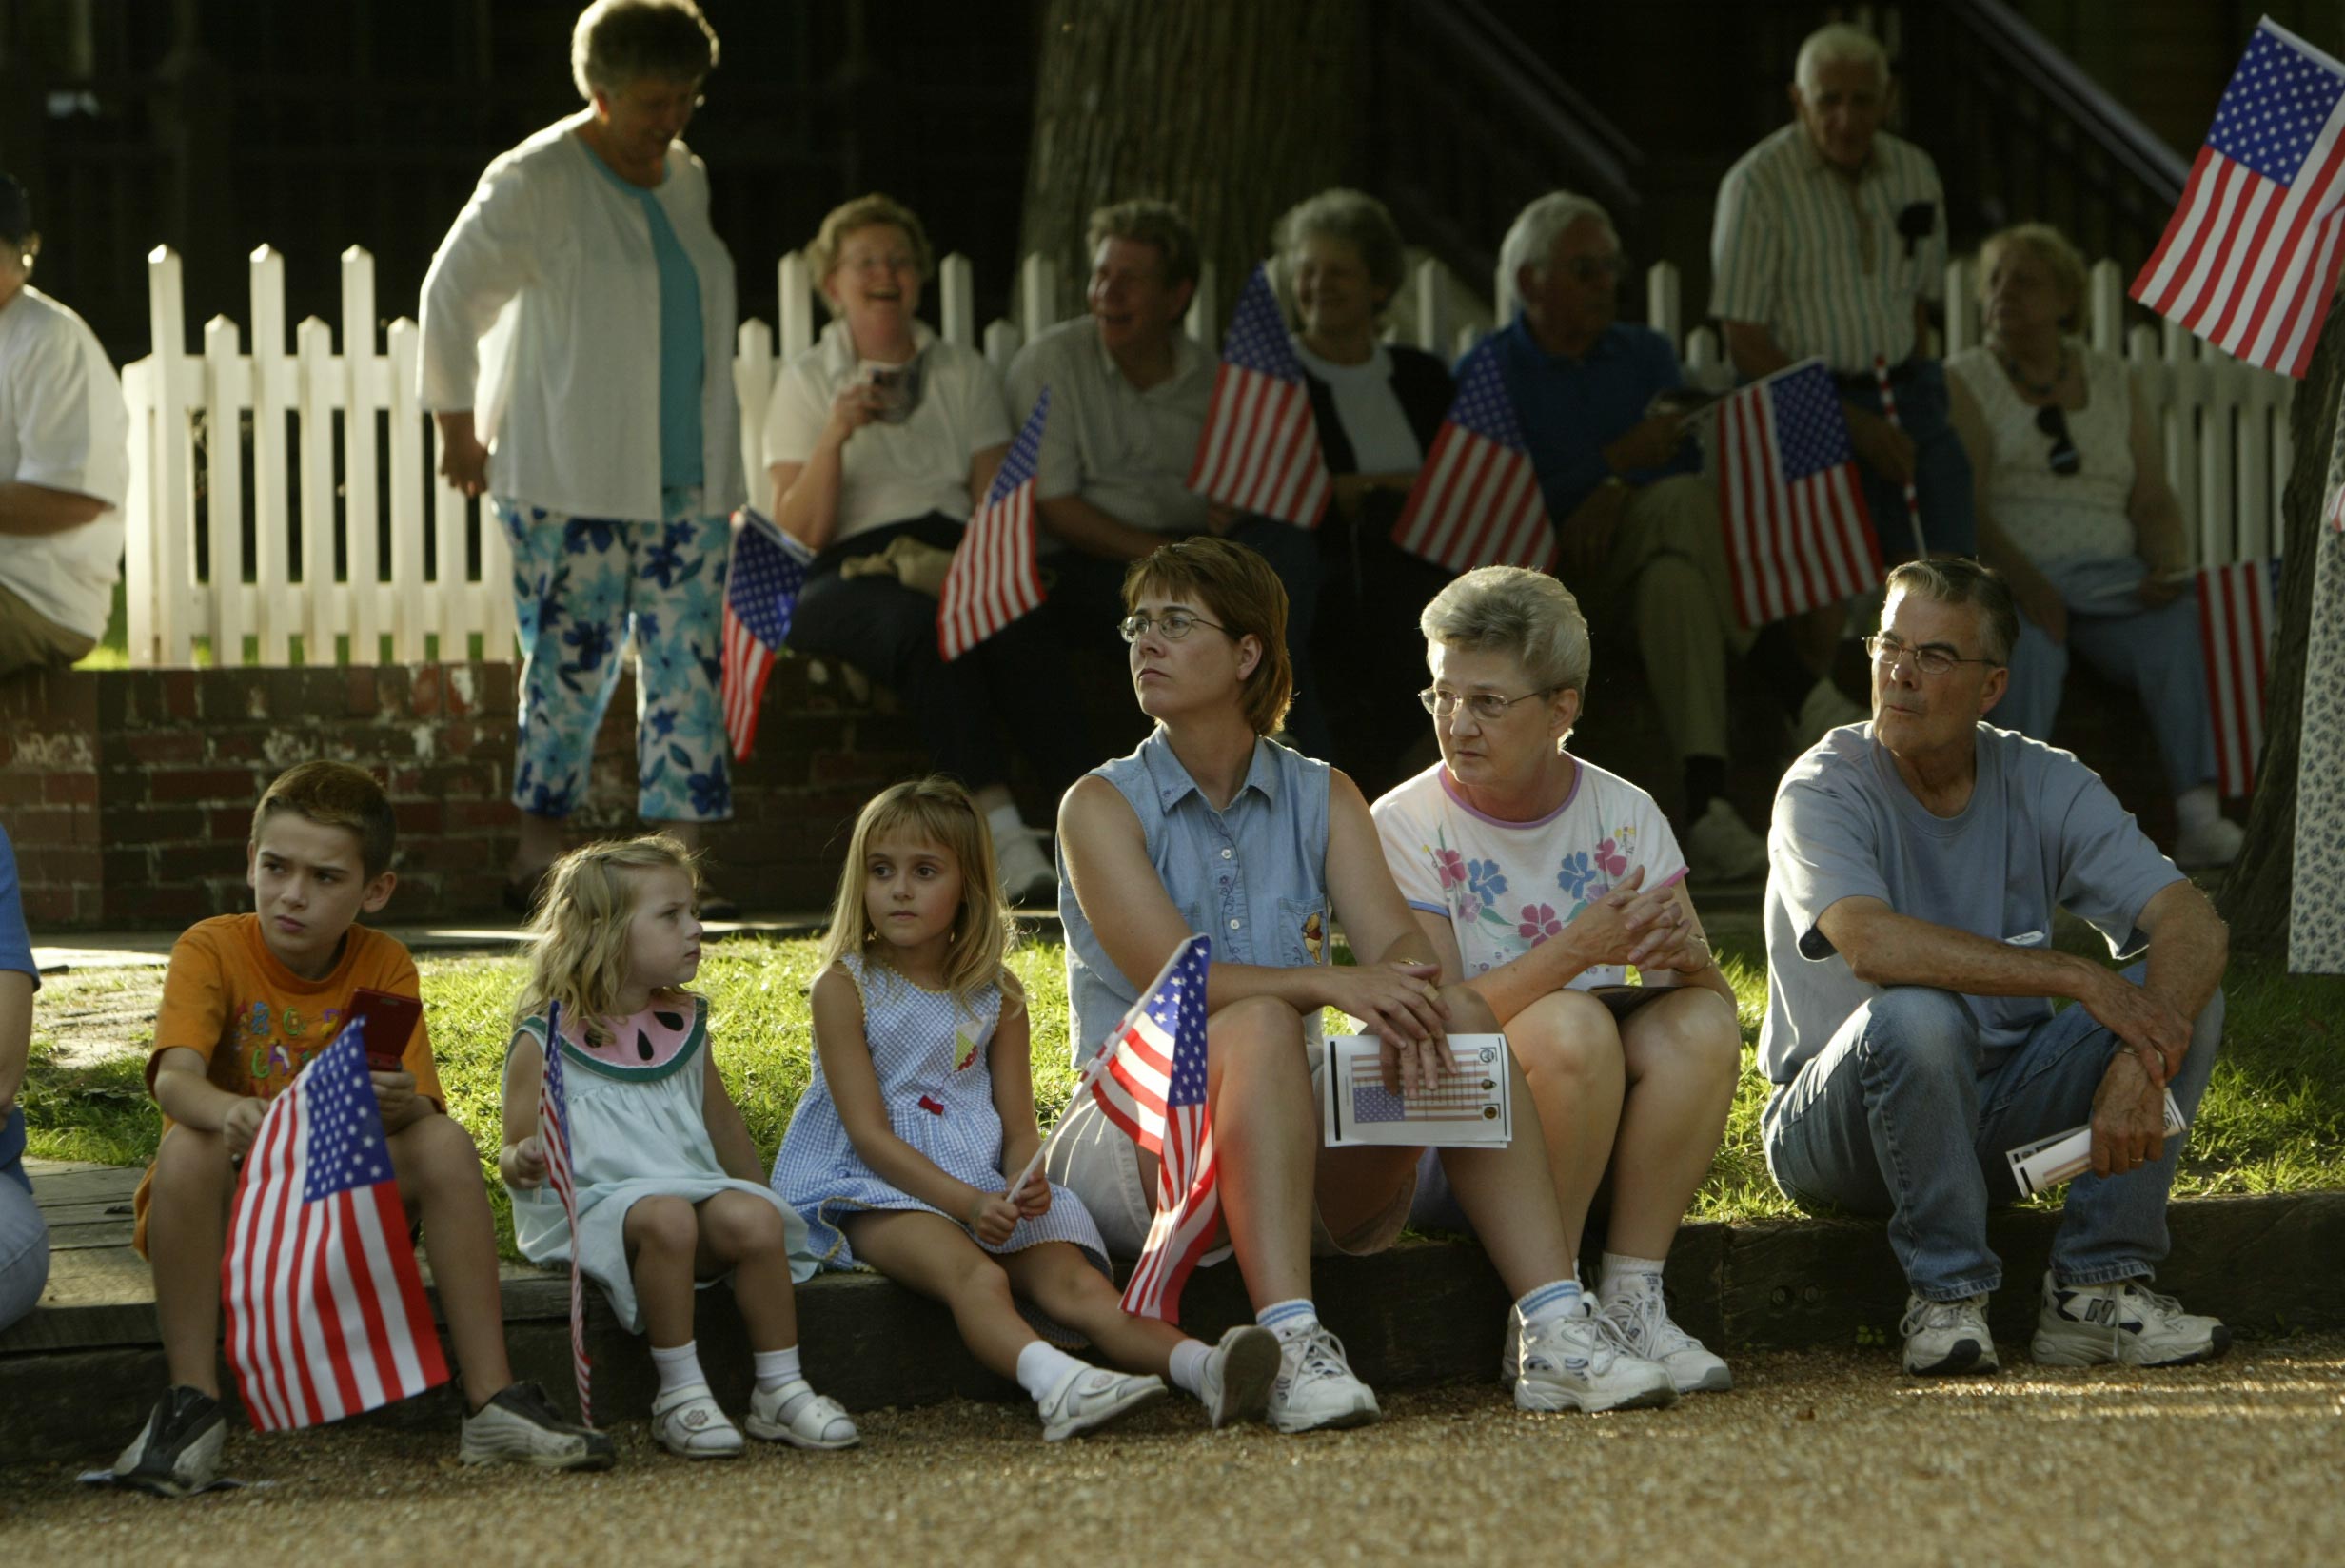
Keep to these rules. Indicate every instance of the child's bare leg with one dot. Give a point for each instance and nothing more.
(745, 1235)
(663, 1238)
(932, 1255)
(187, 1232)
(1058, 1279)
(440, 1181)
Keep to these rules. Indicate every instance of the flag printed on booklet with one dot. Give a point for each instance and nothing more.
(2236, 623)
(1154, 1088)
(1797, 531)
(325, 1313)
(553, 1135)
(1476, 502)
(1260, 450)
(760, 592)
(2251, 256)
(994, 577)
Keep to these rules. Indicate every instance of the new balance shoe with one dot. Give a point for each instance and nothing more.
(518, 1426)
(796, 1415)
(1578, 1361)
(688, 1422)
(1641, 1315)
(177, 1452)
(1315, 1390)
(2126, 1323)
(1945, 1338)
(1719, 847)
(1089, 1398)
(1236, 1383)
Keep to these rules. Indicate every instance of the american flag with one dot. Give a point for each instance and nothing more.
(325, 1308)
(1476, 502)
(1260, 450)
(1797, 531)
(554, 1133)
(1155, 1089)
(2251, 256)
(1465, 1095)
(2236, 623)
(993, 578)
(761, 591)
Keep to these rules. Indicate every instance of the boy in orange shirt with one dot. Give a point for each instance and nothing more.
(249, 1000)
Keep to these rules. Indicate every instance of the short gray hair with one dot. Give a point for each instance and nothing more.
(1357, 219)
(1531, 241)
(617, 42)
(1957, 580)
(1515, 610)
(1834, 44)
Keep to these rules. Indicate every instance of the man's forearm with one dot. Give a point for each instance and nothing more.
(33, 510)
(1895, 949)
(2186, 958)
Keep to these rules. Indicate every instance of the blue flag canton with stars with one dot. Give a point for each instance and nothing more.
(763, 581)
(1482, 404)
(1177, 1007)
(556, 1088)
(1375, 1103)
(1257, 339)
(1809, 430)
(2275, 108)
(341, 1122)
(1025, 453)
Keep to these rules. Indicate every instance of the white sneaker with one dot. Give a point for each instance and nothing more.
(1579, 1362)
(796, 1415)
(2126, 1323)
(1089, 1398)
(2214, 843)
(1720, 847)
(1944, 1337)
(177, 1453)
(518, 1425)
(1027, 875)
(1825, 707)
(1314, 1388)
(688, 1422)
(1640, 1313)
(1238, 1373)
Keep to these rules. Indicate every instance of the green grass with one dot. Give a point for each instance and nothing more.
(2273, 1121)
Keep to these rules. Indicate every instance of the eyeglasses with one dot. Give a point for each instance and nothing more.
(1930, 660)
(2052, 421)
(1486, 707)
(1172, 625)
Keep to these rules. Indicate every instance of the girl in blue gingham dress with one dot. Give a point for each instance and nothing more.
(920, 1111)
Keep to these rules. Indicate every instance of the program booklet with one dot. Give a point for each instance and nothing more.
(1469, 1109)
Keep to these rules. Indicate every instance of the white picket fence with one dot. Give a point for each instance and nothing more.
(309, 470)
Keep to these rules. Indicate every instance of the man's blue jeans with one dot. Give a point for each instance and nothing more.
(1901, 1115)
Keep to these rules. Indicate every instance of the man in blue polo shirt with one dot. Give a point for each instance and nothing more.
(1637, 524)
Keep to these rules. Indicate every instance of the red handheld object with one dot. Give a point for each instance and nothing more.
(388, 1021)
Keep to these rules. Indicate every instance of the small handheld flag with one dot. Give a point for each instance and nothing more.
(2235, 624)
(1797, 531)
(1476, 502)
(1260, 450)
(554, 1133)
(760, 592)
(994, 577)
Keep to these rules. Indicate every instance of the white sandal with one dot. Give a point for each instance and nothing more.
(689, 1422)
(796, 1415)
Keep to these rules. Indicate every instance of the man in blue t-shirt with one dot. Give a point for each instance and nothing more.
(1636, 522)
(24, 1236)
(1916, 866)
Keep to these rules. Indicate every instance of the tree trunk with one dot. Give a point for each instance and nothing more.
(1233, 109)
(2255, 895)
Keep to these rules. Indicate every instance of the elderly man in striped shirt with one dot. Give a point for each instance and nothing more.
(1830, 240)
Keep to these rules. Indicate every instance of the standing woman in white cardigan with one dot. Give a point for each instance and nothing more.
(600, 419)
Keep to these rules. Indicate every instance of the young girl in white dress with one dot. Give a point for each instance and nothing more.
(667, 1178)
(922, 1100)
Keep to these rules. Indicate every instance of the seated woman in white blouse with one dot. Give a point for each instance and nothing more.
(884, 431)
(2075, 510)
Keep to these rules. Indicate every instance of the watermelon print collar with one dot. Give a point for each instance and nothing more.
(645, 1047)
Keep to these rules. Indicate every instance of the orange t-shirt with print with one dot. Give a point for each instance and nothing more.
(256, 1022)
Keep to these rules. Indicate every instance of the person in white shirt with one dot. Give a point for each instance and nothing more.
(881, 440)
(63, 463)
(600, 419)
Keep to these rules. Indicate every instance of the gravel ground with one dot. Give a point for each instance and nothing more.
(1818, 1458)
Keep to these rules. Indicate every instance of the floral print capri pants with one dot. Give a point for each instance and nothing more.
(579, 585)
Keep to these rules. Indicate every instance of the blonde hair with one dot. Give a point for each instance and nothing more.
(581, 922)
(940, 811)
(2050, 246)
(870, 212)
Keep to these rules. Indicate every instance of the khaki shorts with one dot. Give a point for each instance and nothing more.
(29, 641)
(1093, 1159)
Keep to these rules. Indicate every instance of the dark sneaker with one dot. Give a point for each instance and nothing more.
(519, 1427)
(177, 1452)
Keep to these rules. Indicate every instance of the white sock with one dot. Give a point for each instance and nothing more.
(1005, 823)
(2197, 808)
(1290, 1319)
(1619, 1268)
(1041, 1366)
(678, 1367)
(1556, 1299)
(776, 1368)
(1189, 1359)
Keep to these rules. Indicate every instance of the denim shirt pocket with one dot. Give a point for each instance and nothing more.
(1301, 932)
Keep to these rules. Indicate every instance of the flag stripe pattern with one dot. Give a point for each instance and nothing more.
(554, 1133)
(1476, 502)
(1260, 449)
(1154, 1088)
(325, 1305)
(995, 576)
(1797, 531)
(2235, 624)
(768, 568)
(2251, 256)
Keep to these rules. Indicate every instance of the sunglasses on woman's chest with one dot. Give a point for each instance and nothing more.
(2052, 421)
